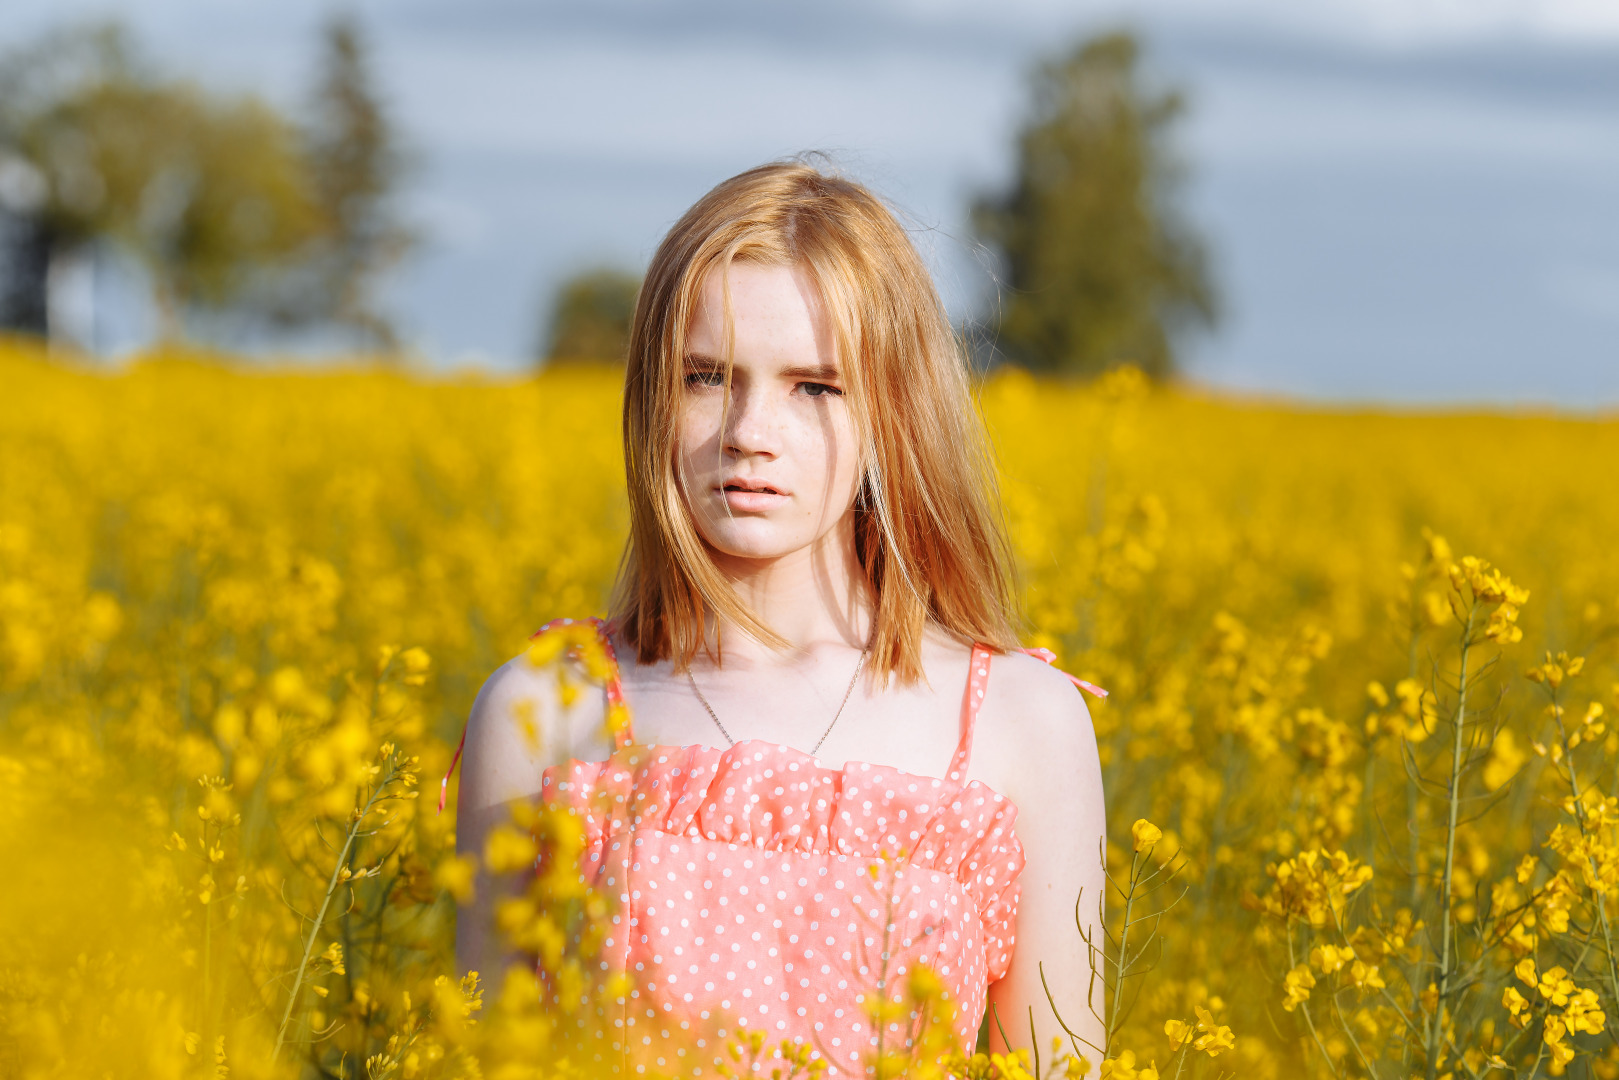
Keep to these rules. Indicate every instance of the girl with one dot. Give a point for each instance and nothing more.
(815, 626)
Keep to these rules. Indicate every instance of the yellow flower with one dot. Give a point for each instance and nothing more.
(1515, 1003)
(257, 552)
(1364, 976)
(1297, 984)
(1329, 958)
(1506, 758)
(506, 850)
(1554, 670)
(1123, 1067)
(1502, 627)
(1312, 886)
(454, 874)
(1556, 987)
(1145, 834)
(417, 663)
(1213, 1037)
(1584, 1013)
(334, 956)
(1555, 1031)
(546, 648)
(1486, 583)
(1439, 552)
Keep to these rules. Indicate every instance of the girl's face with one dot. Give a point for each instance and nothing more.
(776, 468)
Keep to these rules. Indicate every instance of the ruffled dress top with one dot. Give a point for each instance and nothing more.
(757, 890)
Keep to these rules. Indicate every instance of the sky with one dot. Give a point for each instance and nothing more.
(1408, 202)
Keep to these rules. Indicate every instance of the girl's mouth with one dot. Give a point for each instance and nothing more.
(748, 495)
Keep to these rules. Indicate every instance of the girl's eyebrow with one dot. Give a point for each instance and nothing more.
(809, 372)
(814, 373)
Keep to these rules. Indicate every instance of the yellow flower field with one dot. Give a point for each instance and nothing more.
(1367, 779)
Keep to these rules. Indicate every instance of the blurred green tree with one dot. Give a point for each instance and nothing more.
(356, 164)
(209, 193)
(1099, 265)
(590, 316)
(218, 199)
(230, 207)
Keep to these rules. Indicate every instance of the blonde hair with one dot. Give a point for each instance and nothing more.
(928, 530)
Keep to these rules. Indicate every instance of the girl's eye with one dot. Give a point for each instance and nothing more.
(815, 389)
(711, 379)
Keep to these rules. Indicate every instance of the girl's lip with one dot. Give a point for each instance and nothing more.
(752, 501)
(748, 485)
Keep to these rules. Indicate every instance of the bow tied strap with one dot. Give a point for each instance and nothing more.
(1051, 658)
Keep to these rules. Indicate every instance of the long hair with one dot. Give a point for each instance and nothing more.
(928, 530)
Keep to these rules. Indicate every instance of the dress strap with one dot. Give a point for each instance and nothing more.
(618, 715)
(618, 712)
(1051, 658)
(972, 699)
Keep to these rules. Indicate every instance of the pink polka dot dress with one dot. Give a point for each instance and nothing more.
(745, 899)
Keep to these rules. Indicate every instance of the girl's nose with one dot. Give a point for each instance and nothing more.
(751, 423)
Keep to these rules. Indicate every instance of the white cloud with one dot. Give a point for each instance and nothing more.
(1385, 23)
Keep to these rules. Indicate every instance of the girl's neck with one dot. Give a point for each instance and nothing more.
(814, 598)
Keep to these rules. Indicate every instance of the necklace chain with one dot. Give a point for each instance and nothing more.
(859, 665)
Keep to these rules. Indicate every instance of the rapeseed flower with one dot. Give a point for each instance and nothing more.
(260, 580)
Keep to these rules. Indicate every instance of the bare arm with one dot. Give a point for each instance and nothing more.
(1061, 822)
(517, 728)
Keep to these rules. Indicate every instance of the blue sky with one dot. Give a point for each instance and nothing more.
(1407, 202)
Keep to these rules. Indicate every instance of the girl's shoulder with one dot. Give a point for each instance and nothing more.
(563, 659)
(1020, 686)
(1032, 695)
(1034, 728)
(538, 709)
(522, 686)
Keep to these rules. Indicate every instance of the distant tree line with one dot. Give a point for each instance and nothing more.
(230, 207)
(1096, 262)
(241, 215)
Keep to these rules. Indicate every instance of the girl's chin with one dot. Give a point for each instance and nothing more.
(728, 545)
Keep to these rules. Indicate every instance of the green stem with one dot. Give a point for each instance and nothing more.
(1413, 806)
(1343, 1023)
(207, 949)
(1304, 1009)
(1119, 961)
(1180, 1062)
(1458, 746)
(325, 905)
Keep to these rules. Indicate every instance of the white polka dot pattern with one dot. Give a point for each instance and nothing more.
(744, 896)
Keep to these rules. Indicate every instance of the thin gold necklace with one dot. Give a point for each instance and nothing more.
(859, 665)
